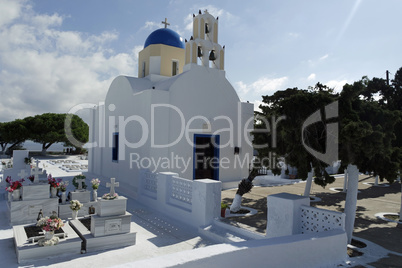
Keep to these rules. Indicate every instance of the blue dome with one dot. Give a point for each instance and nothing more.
(164, 36)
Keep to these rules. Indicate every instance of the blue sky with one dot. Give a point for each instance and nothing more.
(57, 54)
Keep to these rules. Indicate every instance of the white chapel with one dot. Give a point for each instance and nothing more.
(179, 115)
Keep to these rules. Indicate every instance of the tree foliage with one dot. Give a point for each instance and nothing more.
(285, 137)
(13, 133)
(369, 127)
(45, 129)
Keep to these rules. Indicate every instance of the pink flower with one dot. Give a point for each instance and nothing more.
(9, 189)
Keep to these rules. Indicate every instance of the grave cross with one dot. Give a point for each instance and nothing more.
(112, 184)
(166, 23)
(35, 171)
(22, 174)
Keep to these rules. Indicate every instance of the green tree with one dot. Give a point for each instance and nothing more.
(49, 128)
(285, 138)
(13, 133)
(366, 137)
(366, 132)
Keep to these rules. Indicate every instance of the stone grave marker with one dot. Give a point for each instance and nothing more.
(36, 172)
(111, 185)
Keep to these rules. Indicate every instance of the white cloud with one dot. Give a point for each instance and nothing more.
(324, 57)
(337, 85)
(268, 86)
(150, 25)
(311, 77)
(45, 21)
(9, 11)
(314, 62)
(241, 88)
(263, 86)
(188, 21)
(44, 69)
(257, 104)
(294, 35)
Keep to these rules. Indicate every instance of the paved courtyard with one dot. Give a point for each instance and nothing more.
(160, 235)
(371, 200)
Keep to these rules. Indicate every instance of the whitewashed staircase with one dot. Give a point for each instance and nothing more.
(223, 232)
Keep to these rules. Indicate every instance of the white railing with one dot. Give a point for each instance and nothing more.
(196, 202)
(320, 220)
(149, 184)
(180, 192)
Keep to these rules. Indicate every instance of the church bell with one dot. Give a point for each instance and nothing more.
(199, 52)
(212, 55)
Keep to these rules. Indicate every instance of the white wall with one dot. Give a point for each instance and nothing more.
(198, 92)
(324, 249)
(206, 92)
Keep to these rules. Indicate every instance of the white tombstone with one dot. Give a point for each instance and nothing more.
(36, 172)
(23, 174)
(80, 182)
(19, 159)
(112, 207)
(18, 165)
(112, 184)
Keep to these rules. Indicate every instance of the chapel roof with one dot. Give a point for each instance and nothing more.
(164, 36)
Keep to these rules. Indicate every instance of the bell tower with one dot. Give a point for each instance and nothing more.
(203, 48)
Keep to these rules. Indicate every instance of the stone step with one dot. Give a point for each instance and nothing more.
(225, 233)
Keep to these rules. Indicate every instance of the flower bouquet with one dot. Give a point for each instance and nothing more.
(63, 186)
(50, 224)
(75, 205)
(53, 182)
(95, 183)
(14, 185)
(31, 178)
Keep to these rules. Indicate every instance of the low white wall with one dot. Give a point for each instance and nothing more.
(195, 203)
(303, 250)
(292, 214)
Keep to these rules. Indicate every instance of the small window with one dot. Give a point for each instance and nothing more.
(175, 68)
(143, 69)
(115, 149)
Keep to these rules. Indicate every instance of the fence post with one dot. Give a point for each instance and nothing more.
(284, 214)
(206, 203)
(163, 187)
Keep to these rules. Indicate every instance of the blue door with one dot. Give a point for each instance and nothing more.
(206, 157)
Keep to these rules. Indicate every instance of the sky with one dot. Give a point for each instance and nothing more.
(55, 55)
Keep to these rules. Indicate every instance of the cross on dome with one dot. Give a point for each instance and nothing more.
(166, 23)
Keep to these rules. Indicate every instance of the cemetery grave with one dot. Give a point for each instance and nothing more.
(93, 242)
(109, 222)
(27, 248)
(108, 228)
(69, 165)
